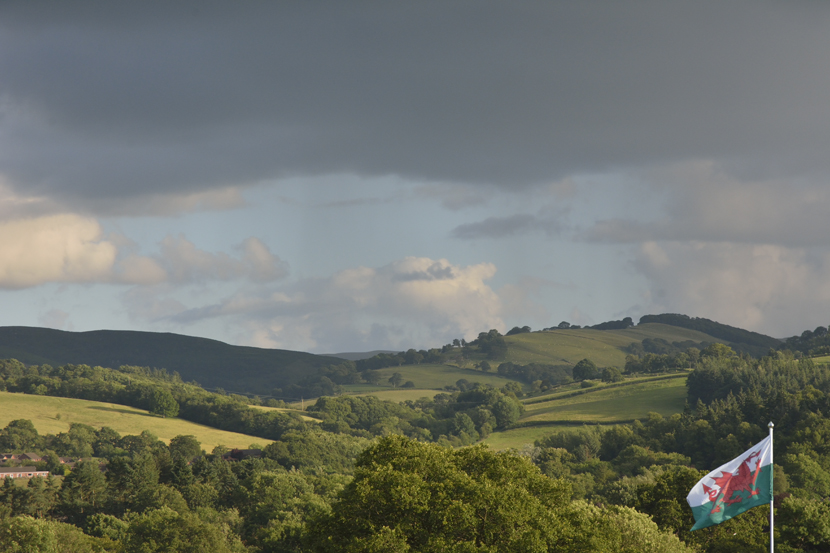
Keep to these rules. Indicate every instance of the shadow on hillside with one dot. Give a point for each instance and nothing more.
(121, 410)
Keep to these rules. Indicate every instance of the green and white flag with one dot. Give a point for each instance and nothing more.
(733, 488)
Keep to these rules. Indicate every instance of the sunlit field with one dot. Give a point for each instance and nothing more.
(44, 411)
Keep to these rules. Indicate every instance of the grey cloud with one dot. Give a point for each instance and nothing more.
(435, 272)
(113, 100)
(771, 289)
(703, 203)
(513, 225)
(455, 196)
(359, 202)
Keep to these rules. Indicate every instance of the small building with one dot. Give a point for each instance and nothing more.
(22, 472)
(34, 457)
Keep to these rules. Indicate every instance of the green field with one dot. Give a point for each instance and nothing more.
(435, 377)
(613, 404)
(603, 347)
(43, 411)
(567, 347)
(517, 438)
(605, 404)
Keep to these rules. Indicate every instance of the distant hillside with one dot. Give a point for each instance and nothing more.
(603, 347)
(738, 338)
(358, 355)
(54, 415)
(211, 363)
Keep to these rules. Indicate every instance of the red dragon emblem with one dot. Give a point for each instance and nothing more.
(729, 485)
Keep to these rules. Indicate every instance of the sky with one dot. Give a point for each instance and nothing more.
(350, 176)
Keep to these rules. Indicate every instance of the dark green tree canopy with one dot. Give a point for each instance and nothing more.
(413, 497)
(163, 403)
(586, 370)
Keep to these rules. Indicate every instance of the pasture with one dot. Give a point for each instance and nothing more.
(517, 438)
(43, 411)
(435, 377)
(604, 347)
(612, 404)
(608, 404)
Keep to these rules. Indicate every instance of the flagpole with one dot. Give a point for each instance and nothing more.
(771, 500)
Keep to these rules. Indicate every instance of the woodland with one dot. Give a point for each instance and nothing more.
(373, 475)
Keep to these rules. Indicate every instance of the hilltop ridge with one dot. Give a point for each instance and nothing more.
(211, 363)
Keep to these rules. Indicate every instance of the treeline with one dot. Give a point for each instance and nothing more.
(490, 343)
(673, 357)
(738, 338)
(810, 342)
(405, 496)
(459, 418)
(622, 324)
(152, 390)
(541, 375)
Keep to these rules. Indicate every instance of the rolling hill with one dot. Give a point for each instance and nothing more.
(603, 347)
(211, 363)
(54, 414)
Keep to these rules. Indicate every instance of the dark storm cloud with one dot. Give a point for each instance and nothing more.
(111, 100)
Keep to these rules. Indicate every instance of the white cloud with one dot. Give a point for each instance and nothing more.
(141, 270)
(772, 289)
(414, 301)
(186, 263)
(54, 248)
(71, 248)
(259, 263)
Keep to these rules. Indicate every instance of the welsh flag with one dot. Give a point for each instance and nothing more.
(729, 490)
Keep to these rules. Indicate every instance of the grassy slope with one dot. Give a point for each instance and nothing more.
(603, 347)
(42, 411)
(604, 404)
(209, 362)
(436, 377)
(517, 438)
(612, 404)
